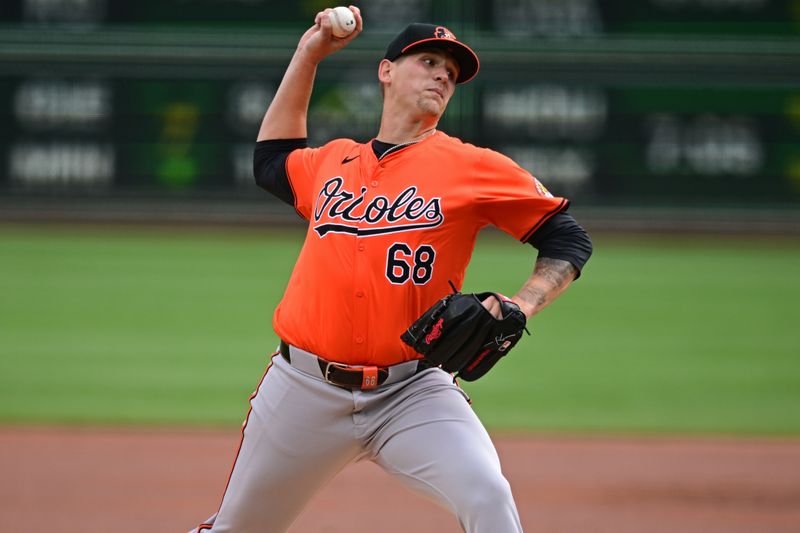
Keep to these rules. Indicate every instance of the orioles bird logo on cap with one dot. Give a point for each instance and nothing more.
(443, 33)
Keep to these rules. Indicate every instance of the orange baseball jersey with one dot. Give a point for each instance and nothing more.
(385, 236)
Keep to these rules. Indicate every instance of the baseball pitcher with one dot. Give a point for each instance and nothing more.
(374, 329)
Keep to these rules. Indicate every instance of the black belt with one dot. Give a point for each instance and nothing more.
(353, 377)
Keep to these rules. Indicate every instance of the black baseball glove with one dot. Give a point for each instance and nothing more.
(459, 334)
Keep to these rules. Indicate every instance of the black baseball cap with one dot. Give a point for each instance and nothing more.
(418, 36)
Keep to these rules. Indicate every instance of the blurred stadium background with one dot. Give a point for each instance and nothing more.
(676, 120)
(651, 115)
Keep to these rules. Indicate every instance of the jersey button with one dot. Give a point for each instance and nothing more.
(374, 183)
(361, 247)
(359, 340)
(360, 294)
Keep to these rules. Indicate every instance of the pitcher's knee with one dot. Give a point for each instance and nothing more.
(488, 508)
(487, 495)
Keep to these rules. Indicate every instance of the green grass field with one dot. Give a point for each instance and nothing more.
(173, 327)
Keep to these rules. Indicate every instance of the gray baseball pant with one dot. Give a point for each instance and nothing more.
(301, 431)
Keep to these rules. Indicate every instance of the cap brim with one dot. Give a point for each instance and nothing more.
(468, 63)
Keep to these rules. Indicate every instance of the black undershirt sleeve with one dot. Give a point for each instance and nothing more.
(563, 238)
(269, 166)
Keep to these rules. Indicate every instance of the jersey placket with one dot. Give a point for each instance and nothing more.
(360, 303)
(361, 269)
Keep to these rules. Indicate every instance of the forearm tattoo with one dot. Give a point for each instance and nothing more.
(557, 271)
(550, 277)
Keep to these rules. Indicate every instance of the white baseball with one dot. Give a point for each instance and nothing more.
(342, 21)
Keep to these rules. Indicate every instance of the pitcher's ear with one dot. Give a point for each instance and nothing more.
(385, 68)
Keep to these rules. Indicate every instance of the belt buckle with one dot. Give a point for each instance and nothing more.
(327, 372)
(369, 375)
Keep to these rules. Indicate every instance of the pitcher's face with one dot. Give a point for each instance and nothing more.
(425, 80)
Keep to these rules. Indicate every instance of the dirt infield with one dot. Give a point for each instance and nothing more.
(98, 481)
